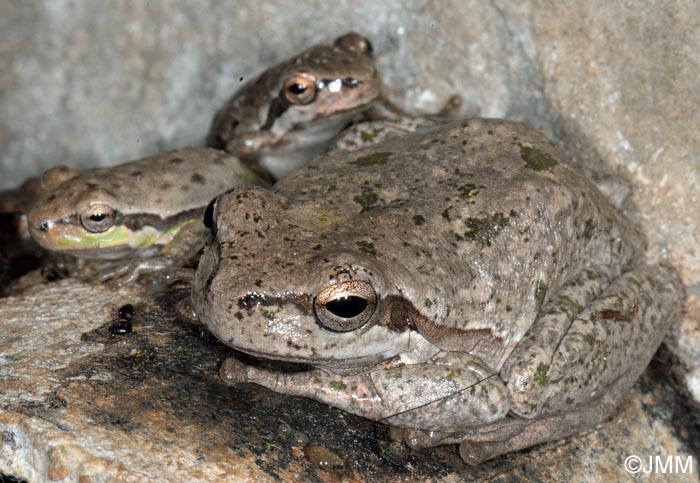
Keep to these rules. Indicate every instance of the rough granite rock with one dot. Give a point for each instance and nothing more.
(614, 83)
(80, 404)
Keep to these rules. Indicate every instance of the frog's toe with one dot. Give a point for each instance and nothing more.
(233, 372)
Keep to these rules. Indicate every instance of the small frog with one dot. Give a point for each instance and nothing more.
(461, 282)
(139, 209)
(290, 113)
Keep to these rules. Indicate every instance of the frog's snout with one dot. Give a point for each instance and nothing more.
(45, 226)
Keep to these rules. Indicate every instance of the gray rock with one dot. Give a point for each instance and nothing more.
(80, 404)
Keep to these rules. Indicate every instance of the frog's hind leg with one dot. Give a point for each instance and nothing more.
(514, 433)
(583, 342)
(586, 349)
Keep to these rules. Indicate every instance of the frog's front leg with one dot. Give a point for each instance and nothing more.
(185, 241)
(449, 392)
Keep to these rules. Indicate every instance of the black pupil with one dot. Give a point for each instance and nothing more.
(209, 214)
(97, 217)
(347, 307)
(297, 89)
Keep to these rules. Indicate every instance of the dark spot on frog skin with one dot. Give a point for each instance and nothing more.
(176, 161)
(588, 230)
(418, 220)
(540, 293)
(611, 314)
(197, 178)
(51, 198)
(446, 214)
(258, 283)
(367, 199)
(366, 247)
(482, 230)
(372, 159)
(536, 159)
(185, 188)
(137, 174)
(468, 191)
(91, 186)
(166, 186)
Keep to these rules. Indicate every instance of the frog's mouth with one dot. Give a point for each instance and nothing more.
(284, 328)
(275, 365)
(117, 242)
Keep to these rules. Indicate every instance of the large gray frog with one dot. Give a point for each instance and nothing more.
(463, 283)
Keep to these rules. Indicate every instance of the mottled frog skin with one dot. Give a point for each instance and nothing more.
(152, 206)
(462, 282)
(289, 114)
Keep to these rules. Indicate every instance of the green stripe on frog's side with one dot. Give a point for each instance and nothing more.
(135, 231)
(117, 236)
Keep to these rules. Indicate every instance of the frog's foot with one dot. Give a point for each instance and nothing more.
(366, 134)
(514, 433)
(450, 392)
(162, 270)
(615, 188)
(233, 372)
(451, 109)
(185, 311)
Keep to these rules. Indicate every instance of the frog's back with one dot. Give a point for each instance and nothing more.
(169, 183)
(483, 217)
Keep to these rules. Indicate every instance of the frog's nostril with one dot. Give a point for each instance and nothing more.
(44, 226)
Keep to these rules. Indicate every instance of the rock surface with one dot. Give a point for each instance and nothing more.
(614, 84)
(80, 404)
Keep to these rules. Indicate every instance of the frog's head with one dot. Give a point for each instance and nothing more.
(269, 285)
(324, 82)
(74, 215)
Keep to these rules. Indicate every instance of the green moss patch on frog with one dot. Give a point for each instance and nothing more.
(366, 247)
(369, 136)
(326, 218)
(367, 199)
(541, 374)
(571, 306)
(372, 159)
(337, 385)
(536, 159)
(482, 230)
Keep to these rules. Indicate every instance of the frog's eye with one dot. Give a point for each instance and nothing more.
(97, 218)
(300, 89)
(208, 220)
(345, 306)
